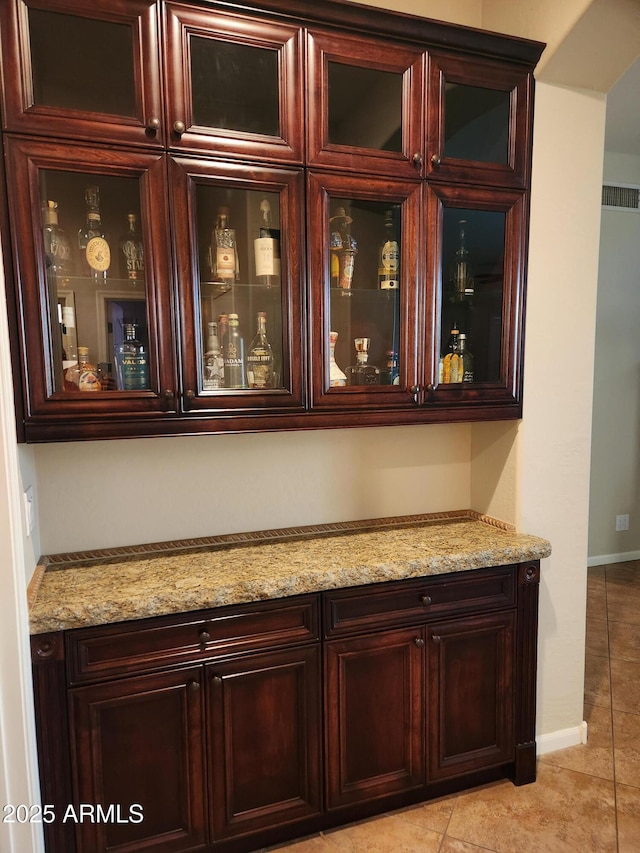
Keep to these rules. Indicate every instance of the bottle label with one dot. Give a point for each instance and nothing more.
(266, 255)
(134, 259)
(134, 372)
(225, 262)
(88, 380)
(390, 264)
(98, 254)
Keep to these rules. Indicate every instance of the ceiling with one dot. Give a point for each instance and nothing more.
(622, 127)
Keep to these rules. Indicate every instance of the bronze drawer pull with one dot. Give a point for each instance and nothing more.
(426, 600)
(204, 637)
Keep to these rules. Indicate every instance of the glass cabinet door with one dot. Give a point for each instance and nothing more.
(87, 71)
(478, 125)
(479, 294)
(365, 105)
(234, 83)
(363, 289)
(94, 269)
(238, 249)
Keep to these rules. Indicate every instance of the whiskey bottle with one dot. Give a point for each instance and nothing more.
(337, 377)
(461, 281)
(57, 248)
(213, 374)
(362, 373)
(234, 359)
(132, 363)
(465, 372)
(446, 359)
(266, 248)
(94, 245)
(223, 257)
(260, 360)
(82, 376)
(131, 252)
(389, 257)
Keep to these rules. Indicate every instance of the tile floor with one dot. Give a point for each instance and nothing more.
(586, 798)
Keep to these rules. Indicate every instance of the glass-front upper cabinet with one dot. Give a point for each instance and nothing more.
(234, 85)
(88, 71)
(476, 340)
(238, 248)
(364, 105)
(94, 279)
(478, 121)
(363, 290)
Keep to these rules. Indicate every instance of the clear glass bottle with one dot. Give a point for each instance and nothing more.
(69, 338)
(362, 373)
(337, 377)
(132, 362)
(82, 376)
(57, 248)
(343, 248)
(389, 257)
(389, 375)
(223, 255)
(461, 281)
(93, 242)
(235, 375)
(213, 374)
(131, 252)
(465, 372)
(260, 359)
(223, 332)
(266, 248)
(445, 360)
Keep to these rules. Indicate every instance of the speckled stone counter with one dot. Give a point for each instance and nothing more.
(75, 590)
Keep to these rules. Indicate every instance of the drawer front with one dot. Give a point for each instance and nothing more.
(365, 608)
(147, 644)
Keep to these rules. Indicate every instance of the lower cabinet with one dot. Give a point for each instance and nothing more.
(232, 729)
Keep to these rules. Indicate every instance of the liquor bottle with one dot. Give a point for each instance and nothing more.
(389, 257)
(69, 339)
(260, 359)
(82, 376)
(343, 248)
(131, 252)
(93, 242)
(465, 372)
(445, 360)
(389, 375)
(223, 332)
(213, 374)
(234, 360)
(223, 257)
(57, 248)
(461, 282)
(266, 249)
(337, 377)
(362, 373)
(132, 362)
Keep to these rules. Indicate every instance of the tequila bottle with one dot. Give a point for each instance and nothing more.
(131, 252)
(260, 360)
(234, 359)
(266, 248)
(92, 240)
(57, 248)
(362, 373)
(132, 363)
(337, 377)
(223, 256)
(213, 361)
(389, 257)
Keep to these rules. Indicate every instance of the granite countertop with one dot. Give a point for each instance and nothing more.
(78, 590)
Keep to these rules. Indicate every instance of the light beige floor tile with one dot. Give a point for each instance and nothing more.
(390, 834)
(597, 681)
(625, 686)
(628, 804)
(597, 640)
(624, 641)
(434, 815)
(626, 738)
(595, 757)
(563, 812)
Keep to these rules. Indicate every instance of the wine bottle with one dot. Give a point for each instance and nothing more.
(266, 248)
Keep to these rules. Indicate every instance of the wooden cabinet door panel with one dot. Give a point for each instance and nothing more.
(374, 716)
(470, 694)
(138, 742)
(264, 729)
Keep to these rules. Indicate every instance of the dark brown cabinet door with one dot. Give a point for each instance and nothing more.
(138, 755)
(234, 85)
(264, 740)
(470, 678)
(374, 716)
(83, 71)
(71, 207)
(479, 121)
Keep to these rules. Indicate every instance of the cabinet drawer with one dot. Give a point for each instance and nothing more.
(399, 602)
(147, 644)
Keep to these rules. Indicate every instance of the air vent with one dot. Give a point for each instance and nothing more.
(621, 197)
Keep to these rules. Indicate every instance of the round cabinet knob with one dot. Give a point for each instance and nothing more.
(417, 159)
(204, 637)
(419, 642)
(426, 600)
(189, 395)
(415, 392)
(435, 160)
(179, 127)
(217, 679)
(436, 638)
(153, 124)
(193, 685)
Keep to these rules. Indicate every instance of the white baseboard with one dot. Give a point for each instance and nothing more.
(561, 739)
(603, 559)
